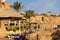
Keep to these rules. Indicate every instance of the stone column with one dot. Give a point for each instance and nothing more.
(19, 23)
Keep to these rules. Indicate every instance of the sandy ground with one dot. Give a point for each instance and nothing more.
(4, 38)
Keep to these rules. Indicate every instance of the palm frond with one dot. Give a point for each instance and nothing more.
(17, 6)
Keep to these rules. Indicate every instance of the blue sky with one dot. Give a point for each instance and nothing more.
(40, 6)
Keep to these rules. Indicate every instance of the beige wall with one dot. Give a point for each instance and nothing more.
(49, 22)
(3, 31)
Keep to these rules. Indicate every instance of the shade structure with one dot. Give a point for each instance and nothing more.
(9, 13)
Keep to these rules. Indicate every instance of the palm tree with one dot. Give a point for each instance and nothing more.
(56, 35)
(17, 6)
(29, 13)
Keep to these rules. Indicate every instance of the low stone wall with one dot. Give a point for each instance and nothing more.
(42, 35)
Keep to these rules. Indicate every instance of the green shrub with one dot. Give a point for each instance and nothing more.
(8, 28)
(14, 29)
(56, 35)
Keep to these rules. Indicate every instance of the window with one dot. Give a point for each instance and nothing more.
(58, 26)
(11, 23)
(38, 26)
(42, 18)
(35, 27)
(6, 24)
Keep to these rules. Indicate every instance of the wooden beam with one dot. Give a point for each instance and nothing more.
(15, 18)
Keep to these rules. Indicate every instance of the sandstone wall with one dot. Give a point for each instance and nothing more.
(3, 31)
(50, 22)
(42, 35)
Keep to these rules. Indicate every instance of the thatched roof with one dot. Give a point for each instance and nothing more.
(9, 13)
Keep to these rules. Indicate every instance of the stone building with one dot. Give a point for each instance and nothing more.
(46, 21)
(8, 17)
